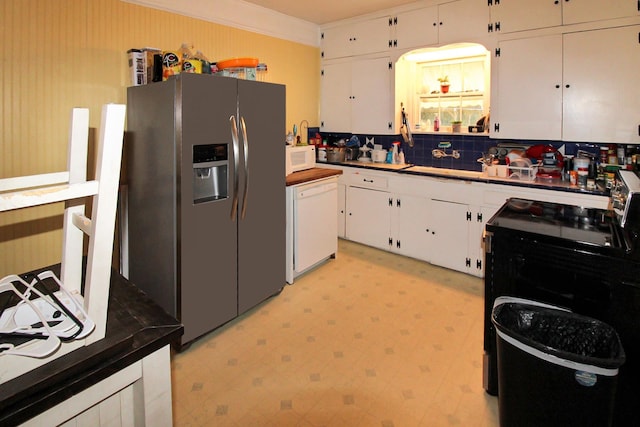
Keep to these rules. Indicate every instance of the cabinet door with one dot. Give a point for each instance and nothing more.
(359, 38)
(529, 91)
(368, 217)
(479, 218)
(342, 210)
(416, 28)
(371, 105)
(462, 21)
(336, 42)
(370, 36)
(449, 230)
(601, 101)
(518, 15)
(574, 12)
(335, 101)
(411, 224)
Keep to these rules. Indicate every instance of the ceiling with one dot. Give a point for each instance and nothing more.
(325, 11)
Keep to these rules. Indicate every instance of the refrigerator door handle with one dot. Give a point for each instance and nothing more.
(236, 164)
(245, 195)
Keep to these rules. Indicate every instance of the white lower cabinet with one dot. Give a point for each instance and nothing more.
(449, 231)
(393, 222)
(409, 226)
(437, 220)
(368, 216)
(342, 209)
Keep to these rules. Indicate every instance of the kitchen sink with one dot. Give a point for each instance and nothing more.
(444, 172)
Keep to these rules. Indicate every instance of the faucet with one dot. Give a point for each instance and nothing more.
(304, 136)
(441, 152)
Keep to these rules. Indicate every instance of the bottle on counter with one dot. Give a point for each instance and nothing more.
(395, 152)
(436, 124)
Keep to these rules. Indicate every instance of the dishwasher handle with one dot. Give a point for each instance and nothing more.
(314, 190)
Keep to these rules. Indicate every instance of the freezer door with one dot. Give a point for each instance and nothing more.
(261, 231)
(207, 234)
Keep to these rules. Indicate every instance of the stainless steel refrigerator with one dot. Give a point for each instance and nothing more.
(206, 196)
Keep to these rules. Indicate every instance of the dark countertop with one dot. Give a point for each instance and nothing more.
(312, 174)
(136, 327)
(464, 175)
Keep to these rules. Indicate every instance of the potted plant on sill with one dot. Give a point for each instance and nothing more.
(455, 126)
(444, 84)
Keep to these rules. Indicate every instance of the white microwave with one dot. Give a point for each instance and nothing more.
(300, 157)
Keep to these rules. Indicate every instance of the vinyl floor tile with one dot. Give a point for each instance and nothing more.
(367, 339)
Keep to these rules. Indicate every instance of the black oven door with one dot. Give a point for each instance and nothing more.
(568, 275)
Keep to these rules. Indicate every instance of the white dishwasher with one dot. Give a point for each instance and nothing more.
(312, 224)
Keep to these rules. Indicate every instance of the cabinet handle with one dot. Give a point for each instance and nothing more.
(367, 180)
(567, 86)
(557, 86)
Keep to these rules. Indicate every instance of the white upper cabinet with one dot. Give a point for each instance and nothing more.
(577, 11)
(601, 88)
(528, 102)
(462, 21)
(519, 15)
(571, 87)
(335, 102)
(356, 38)
(415, 28)
(356, 96)
(457, 21)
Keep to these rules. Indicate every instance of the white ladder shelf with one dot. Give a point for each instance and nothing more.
(73, 188)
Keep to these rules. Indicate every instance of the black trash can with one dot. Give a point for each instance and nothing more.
(555, 367)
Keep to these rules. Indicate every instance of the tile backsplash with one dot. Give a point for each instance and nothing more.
(470, 146)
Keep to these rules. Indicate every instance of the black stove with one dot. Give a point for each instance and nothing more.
(578, 258)
(587, 226)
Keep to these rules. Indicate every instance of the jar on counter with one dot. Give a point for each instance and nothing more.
(612, 155)
(604, 154)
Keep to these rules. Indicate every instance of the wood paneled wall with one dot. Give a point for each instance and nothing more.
(61, 54)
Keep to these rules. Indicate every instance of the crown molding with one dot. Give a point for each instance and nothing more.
(242, 15)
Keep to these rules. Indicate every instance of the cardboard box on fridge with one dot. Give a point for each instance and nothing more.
(136, 67)
(149, 53)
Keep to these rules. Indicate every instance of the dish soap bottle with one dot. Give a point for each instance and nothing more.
(436, 124)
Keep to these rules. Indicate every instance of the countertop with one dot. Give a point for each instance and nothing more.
(136, 327)
(466, 175)
(312, 174)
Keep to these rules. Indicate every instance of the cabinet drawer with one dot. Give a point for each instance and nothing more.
(369, 181)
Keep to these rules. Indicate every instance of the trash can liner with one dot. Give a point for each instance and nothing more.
(561, 337)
